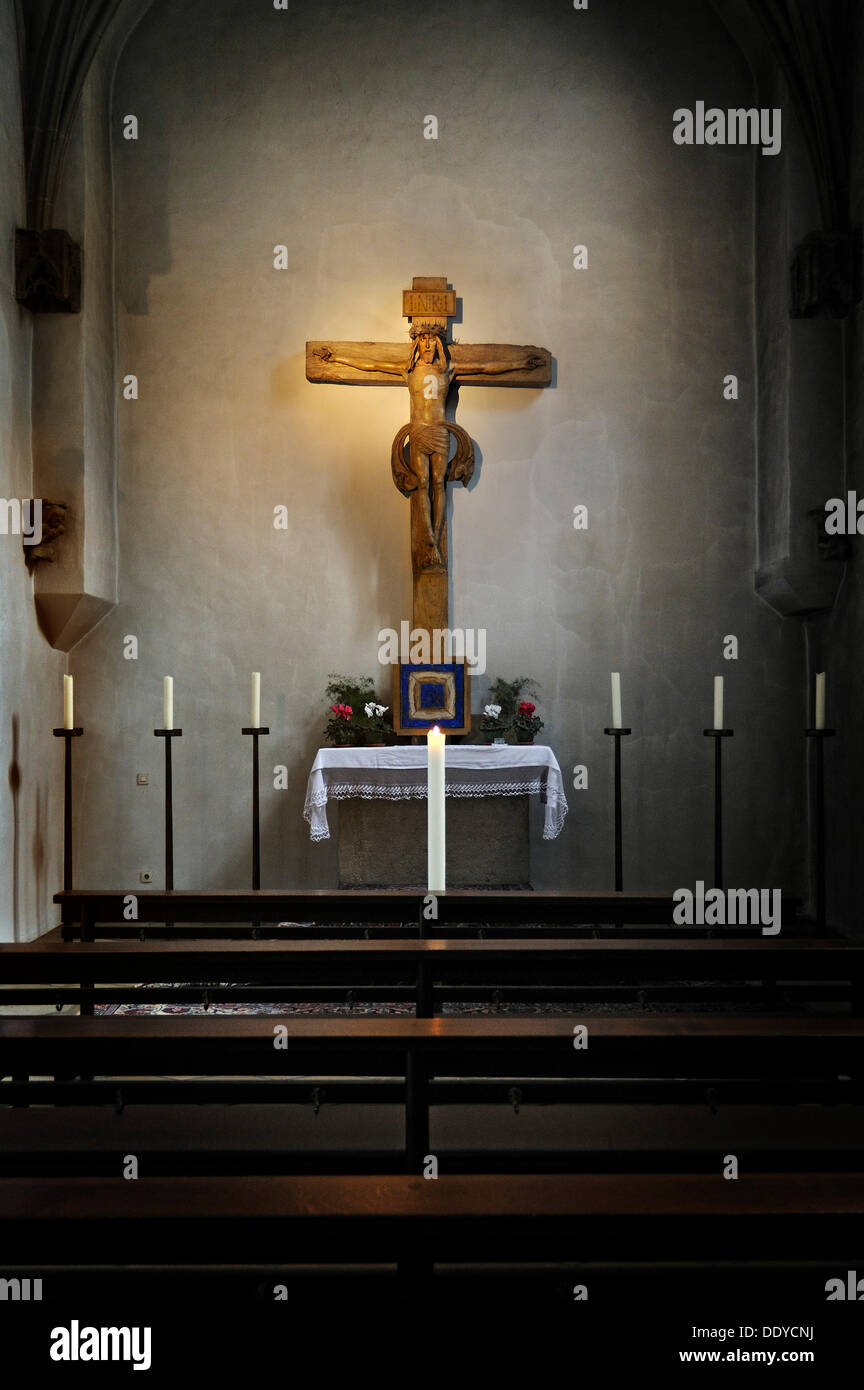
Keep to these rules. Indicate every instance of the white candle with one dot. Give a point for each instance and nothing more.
(616, 700)
(256, 700)
(718, 702)
(436, 841)
(68, 704)
(168, 702)
(820, 700)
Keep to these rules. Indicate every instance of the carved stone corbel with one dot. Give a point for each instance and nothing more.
(53, 526)
(47, 271)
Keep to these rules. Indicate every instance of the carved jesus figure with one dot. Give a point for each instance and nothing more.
(419, 456)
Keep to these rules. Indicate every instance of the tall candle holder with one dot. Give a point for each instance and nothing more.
(718, 735)
(256, 819)
(68, 735)
(168, 734)
(86, 1008)
(618, 734)
(819, 735)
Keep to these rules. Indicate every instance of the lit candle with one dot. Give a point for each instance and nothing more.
(168, 702)
(616, 700)
(256, 700)
(820, 700)
(68, 706)
(436, 835)
(718, 702)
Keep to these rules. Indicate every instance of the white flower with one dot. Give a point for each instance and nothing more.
(381, 709)
(378, 710)
(492, 711)
(370, 709)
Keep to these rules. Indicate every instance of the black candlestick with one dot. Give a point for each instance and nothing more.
(256, 819)
(819, 823)
(168, 734)
(68, 734)
(717, 735)
(618, 734)
(86, 1008)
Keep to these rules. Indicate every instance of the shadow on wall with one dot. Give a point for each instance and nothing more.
(39, 846)
(40, 841)
(147, 224)
(15, 789)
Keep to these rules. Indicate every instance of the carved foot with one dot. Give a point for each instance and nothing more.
(431, 558)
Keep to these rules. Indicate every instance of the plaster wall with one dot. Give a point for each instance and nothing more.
(30, 802)
(305, 128)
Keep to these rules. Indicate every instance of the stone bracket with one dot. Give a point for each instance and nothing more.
(47, 271)
(64, 618)
(53, 527)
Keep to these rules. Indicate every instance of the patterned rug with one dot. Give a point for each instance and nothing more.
(254, 1009)
(316, 1010)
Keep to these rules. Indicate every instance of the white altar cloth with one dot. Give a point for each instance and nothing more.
(399, 773)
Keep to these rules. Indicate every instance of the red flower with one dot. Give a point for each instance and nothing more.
(342, 711)
(527, 708)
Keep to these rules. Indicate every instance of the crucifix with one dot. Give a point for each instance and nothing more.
(420, 456)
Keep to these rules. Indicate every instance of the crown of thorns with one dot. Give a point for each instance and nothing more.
(431, 330)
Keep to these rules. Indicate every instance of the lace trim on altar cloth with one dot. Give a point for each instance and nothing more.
(374, 791)
(556, 804)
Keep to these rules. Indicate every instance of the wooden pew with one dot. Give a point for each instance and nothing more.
(507, 1219)
(330, 1135)
(431, 972)
(656, 1252)
(86, 912)
(650, 1046)
(785, 1055)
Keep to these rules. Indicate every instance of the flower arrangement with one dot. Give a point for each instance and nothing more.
(377, 724)
(514, 721)
(355, 715)
(491, 724)
(527, 724)
(340, 728)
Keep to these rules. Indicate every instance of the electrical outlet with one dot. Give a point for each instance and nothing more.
(143, 779)
(145, 876)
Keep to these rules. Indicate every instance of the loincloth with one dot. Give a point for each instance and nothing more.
(431, 439)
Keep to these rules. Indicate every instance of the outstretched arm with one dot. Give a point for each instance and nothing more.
(528, 362)
(362, 364)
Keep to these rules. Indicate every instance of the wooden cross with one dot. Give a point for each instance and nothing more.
(420, 456)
